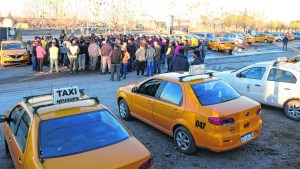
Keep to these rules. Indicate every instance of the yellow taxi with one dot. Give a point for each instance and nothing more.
(295, 59)
(263, 37)
(250, 39)
(193, 42)
(67, 129)
(13, 52)
(291, 37)
(196, 110)
(220, 44)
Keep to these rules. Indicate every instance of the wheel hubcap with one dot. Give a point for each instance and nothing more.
(294, 110)
(122, 110)
(182, 140)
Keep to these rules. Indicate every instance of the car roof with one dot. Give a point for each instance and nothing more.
(50, 111)
(186, 77)
(282, 64)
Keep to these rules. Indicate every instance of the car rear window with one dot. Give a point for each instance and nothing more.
(214, 92)
(79, 133)
(209, 35)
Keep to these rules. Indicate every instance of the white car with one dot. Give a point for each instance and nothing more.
(275, 84)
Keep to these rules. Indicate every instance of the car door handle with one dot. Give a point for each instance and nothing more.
(20, 160)
(176, 111)
(257, 85)
(287, 89)
(9, 139)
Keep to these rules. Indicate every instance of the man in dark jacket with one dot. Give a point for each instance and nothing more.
(179, 62)
(285, 42)
(115, 55)
(197, 58)
(131, 50)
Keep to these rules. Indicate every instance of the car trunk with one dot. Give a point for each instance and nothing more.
(243, 110)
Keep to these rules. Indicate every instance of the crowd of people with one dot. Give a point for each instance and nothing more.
(114, 54)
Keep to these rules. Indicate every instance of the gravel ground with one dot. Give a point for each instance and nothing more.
(277, 147)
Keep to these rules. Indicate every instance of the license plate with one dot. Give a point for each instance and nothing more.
(247, 137)
(16, 59)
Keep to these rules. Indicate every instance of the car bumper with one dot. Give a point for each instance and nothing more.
(230, 141)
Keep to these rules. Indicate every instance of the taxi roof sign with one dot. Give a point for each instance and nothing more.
(65, 95)
(197, 69)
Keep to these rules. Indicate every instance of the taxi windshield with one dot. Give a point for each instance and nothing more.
(79, 133)
(12, 46)
(214, 92)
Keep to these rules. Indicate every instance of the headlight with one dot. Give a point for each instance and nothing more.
(25, 54)
(5, 55)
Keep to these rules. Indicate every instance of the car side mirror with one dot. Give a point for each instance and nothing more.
(238, 75)
(135, 89)
(3, 118)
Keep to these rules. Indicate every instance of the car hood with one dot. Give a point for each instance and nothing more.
(126, 154)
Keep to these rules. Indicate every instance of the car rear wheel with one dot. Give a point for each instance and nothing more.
(230, 52)
(124, 110)
(184, 140)
(292, 110)
(266, 41)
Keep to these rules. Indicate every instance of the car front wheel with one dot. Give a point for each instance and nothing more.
(292, 110)
(266, 41)
(184, 141)
(124, 110)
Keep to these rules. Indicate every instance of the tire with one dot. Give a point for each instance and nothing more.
(124, 110)
(184, 140)
(266, 41)
(230, 52)
(292, 109)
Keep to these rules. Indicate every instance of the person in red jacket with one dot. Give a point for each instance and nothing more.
(40, 54)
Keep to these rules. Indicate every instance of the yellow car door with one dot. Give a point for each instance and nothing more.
(169, 106)
(144, 98)
(16, 136)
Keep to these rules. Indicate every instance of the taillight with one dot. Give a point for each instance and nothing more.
(149, 163)
(222, 43)
(220, 121)
(258, 112)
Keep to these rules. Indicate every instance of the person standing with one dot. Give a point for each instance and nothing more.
(179, 62)
(197, 58)
(53, 52)
(176, 51)
(125, 61)
(81, 58)
(163, 51)
(66, 45)
(94, 52)
(131, 50)
(169, 54)
(157, 58)
(285, 42)
(116, 56)
(40, 54)
(150, 60)
(186, 48)
(33, 56)
(140, 59)
(105, 51)
(73, 55)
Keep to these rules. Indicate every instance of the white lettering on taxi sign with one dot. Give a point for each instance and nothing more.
(65, 95)
(197, 69)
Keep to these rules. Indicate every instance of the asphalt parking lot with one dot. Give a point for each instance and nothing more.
(277, 147)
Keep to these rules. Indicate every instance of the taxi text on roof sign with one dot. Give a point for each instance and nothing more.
(197, 69)
(64, 95)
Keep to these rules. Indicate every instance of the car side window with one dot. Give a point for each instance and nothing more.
(22, 131)
(150, 88)
(14, 118)
(279, 75)
(171, 93)
(253, 73)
